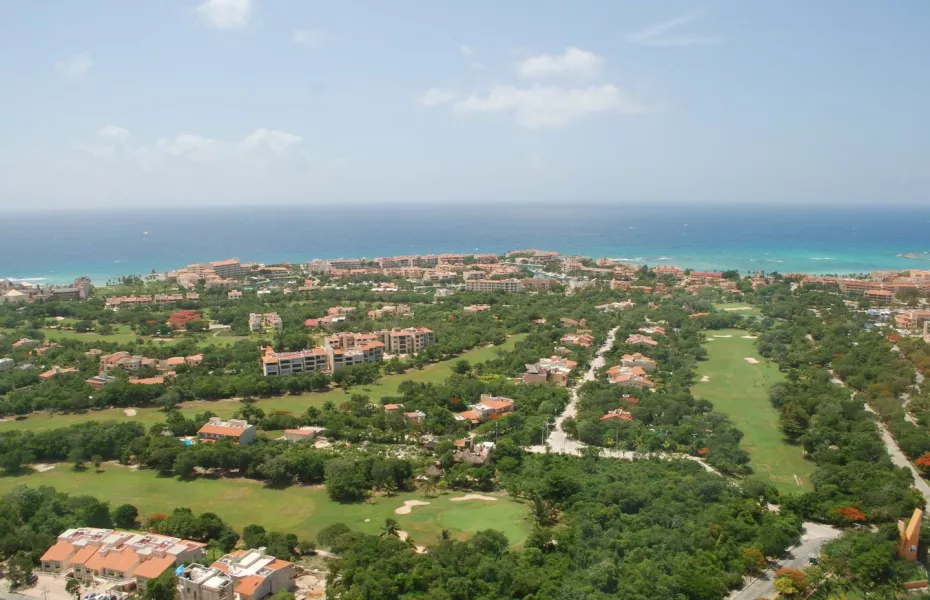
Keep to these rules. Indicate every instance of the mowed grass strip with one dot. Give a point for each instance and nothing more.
(740, 390)
(386, 386)
(297, 509)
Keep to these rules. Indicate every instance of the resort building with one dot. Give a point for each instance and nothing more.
(264, 321)
(407, 341)
(363, 353)
(705, 277)
(615, 306)
(126, 559)
(539, 284)
(234, 295)
(235, 430)
(230, 269)
(291, 363)
(493, 285)
(181, 318)
(398, 310)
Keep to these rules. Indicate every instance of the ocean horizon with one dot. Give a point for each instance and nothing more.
(56, 247)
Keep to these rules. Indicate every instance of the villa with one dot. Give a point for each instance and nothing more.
(240, 575)
(489, 408)
(617, 415)
(639, 339)
(235, 430)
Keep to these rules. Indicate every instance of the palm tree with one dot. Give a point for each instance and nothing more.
(390, 529)
(429, 488)
(542, 512)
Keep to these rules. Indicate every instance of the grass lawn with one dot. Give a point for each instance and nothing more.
(730, 306)
(301, 510)
(740, 390)
(122, 335)
(386, 386)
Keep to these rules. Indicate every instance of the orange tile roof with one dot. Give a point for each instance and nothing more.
(59, 552)
(175, 361)
(220, 430)
(120, 561)
(157, 380)
(497, 404)
(154, 567)
(248, 585)
(84, 554)
(278, 564)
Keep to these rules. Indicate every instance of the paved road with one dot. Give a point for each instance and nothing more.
(897, 457)
(814, 537)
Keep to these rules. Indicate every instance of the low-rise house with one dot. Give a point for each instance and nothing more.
(577, 339)
(156, 380)
(25, 343)
(302, 434)
(634, 380)
(234, 295)
(416, 417)
(236, 430)
(656, 330)
(264, 321)
(488, 408)
(617, 415)
(182, 318)
(638, 360)
(467, 451)
(98, 381)
(555, 369)
(615, 306)
(395, 310)
(55, 372)
(476, 308)
(641, 340)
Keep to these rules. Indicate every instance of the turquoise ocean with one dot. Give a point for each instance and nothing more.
(57, 247)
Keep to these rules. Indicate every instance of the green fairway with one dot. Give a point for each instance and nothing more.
(740, 389)
(739, 308)
(386, 386)
(301, 510)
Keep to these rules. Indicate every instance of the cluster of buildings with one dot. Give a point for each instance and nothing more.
(22, 291)
(345, 349)
(488, 408)
(125, 559)
(585, 340)
(880, 287)
(133, 363)
(220, 274)
(510, 285)
(117, 302)
(128, 561)
(411, 417)
(393, 310)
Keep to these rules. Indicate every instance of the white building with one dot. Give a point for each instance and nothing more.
(493, 285)
(262, 321)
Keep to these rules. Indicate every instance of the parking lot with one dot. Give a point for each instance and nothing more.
(51, 587)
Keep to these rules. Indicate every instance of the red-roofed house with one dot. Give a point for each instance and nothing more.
(617, 415)
(236, 430)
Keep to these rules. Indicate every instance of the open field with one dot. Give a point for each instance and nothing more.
(301, 510)
(739, 389)
(739, 308)
(386, 386)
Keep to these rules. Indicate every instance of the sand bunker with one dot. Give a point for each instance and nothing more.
(751, 360)
(473, 497)
(749, 337)
(42, 467)
(705, 378)
(739, 308)
(723, 336)
(408, 507)
(129, 412)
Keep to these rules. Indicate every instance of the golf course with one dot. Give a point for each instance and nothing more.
(736, 380)
(296, 509)
(386, 386)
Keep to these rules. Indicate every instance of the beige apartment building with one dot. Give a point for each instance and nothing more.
(407, 341)
(493, 285)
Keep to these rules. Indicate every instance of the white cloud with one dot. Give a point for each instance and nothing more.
(547, 106)
(574, 62)
(226, 14)
(75, 67)
(663, 34)
(436, 97)
(271, 139)
(314, 38)
(469, 53)
(113, 133)
(190, 147)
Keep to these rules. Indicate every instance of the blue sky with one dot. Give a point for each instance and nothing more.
(191, 102)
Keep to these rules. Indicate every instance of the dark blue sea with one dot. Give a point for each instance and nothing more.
(55, 247)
